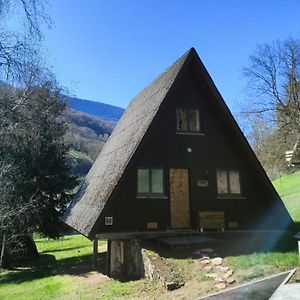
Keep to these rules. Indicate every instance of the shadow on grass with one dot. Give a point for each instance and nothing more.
(61, 250)
(47, 266)
(229, 244)
(41, 240)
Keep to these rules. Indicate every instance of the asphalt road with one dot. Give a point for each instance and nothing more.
(260, 290)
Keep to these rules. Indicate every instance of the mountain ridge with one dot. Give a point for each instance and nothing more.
(101, 110)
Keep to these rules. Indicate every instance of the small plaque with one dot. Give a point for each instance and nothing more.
(233, 225)
(152, 225)
(202, 183)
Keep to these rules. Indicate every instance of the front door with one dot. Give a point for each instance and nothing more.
(179, 198)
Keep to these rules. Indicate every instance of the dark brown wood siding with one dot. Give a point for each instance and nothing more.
(215, 148)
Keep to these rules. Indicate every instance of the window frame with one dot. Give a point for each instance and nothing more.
(187, 112)
(150, 194)
(228, 183)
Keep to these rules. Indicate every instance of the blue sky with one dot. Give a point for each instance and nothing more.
(108, 51)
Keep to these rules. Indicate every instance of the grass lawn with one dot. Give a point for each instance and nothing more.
(288, 187)
(64, 272)
(255, 265)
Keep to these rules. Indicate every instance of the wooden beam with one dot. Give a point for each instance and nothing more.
(108, 257)
(95, 252)
(172, 233)
(142, 234)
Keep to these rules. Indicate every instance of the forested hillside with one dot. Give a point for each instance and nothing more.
(87, 135)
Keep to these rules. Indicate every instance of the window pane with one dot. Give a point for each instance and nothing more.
(222, 186)
(234, 180)
(194, 122)
(182, 119)
(157, 181)
(143, 180)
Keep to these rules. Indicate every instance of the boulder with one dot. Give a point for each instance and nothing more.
(217, 261)
(230, 280)
(220, 286)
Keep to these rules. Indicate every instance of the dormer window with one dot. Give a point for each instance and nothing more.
(188, 120)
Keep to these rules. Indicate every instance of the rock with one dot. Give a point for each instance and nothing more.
(230, 280)
(220, 286)
(171, 286)
(219, 279)
(212, 275)
(208, 268)
(228, 274)
(217, 261)
(205, 261)
(223, 269)
(204, 256)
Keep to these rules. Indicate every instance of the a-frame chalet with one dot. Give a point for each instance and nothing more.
(177, 160)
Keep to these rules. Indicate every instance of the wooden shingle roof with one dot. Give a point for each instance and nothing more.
(89, 202)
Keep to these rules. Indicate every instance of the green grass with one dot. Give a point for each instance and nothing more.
(117, 289)
(288, 187)
(45, 278)
(69, 246)
(62, 269)
(277, 260)
(60, 273)
(256, 265)
(55, 274)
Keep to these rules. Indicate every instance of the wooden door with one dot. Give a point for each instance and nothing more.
(179, 198)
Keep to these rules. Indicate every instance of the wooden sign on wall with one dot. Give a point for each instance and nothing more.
(202, 183)
(211, 220)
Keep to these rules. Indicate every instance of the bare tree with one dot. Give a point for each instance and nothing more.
(19, 48)
(14, 213)
(274, 107)
(34, 177)
(32, 13)
(274, 82)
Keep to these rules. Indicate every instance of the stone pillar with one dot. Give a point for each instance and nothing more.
(125, 259)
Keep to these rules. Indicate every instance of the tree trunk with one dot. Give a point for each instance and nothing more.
(4, 257)
(23, 247)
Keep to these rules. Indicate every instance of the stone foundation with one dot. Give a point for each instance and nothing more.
(125, 259)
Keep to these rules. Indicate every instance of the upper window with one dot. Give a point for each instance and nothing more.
(228, 182)
(150, 181)
(188, 120)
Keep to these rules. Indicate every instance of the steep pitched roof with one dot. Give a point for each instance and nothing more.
(111, 163)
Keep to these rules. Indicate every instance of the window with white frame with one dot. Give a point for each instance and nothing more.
(228, 182)
(150, 181)
(188, 120)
